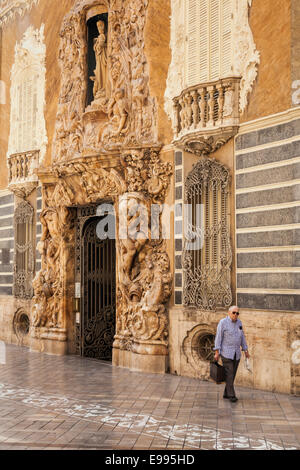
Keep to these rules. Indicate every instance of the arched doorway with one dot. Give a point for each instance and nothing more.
(98, 271)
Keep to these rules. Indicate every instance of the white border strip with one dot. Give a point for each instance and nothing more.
(271, 207)
(268, 291)
(268, 166)
(265, 187)
(12, 204)
(268, 228)
(269, 145)
(11, 216)
(272, 120)
(268, 249)
(273, 270)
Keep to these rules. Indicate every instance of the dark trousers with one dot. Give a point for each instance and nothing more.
(231, 367)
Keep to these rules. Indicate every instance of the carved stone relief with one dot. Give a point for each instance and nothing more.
(246, 57)
(144, 278)
(123, 113)
(105, 151)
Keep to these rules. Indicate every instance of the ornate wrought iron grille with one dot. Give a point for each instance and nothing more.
(96, 261)
(207, 270)
(23, 255)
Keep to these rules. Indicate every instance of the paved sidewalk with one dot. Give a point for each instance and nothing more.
(50, 402)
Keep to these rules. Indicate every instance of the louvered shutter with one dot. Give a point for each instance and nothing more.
(192, 43)
(214, 39)
(226, 44)
(203, 40)
(209, 40)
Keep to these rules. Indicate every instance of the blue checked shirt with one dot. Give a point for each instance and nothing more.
(230, 338)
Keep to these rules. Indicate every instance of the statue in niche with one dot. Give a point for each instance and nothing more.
(100, 77)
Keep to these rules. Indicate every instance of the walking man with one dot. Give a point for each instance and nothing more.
(229, 340)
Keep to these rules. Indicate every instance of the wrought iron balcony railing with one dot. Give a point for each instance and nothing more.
(207, 115)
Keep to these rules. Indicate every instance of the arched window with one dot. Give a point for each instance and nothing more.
(209, 51)
(23, 258)
(207, 265)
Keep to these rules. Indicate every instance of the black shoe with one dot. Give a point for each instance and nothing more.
(233, 399)
(225, 396)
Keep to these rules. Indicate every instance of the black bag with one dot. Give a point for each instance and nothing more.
(217, 372)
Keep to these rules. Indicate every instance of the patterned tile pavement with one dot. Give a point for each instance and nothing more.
(50, 402)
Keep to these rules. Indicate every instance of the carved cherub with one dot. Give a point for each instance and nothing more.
(117, 114)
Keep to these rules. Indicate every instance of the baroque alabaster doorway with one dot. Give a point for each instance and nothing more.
(96, 328)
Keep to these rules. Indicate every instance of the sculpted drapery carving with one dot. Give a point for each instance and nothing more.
(100, 48)
(123, 115)
(144, 278)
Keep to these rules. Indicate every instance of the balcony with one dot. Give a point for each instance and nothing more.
(207, 116)
(22, 178)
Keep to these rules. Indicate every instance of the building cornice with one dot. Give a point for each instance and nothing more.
(9, 9)
(271, 120)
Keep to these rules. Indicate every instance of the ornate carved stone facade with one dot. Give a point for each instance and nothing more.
(144, 279)
(107, 80)
(125, 116)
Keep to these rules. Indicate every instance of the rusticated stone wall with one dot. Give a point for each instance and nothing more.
(267, 218)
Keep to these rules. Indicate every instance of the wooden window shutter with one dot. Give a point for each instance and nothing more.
(209, 40)
(192, 60)
(203, 40)
(214, 39)
(226, 37)
(27, 109)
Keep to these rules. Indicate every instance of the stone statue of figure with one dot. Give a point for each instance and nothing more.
(100, 48)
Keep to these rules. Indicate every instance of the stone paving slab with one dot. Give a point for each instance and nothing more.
(50, 402)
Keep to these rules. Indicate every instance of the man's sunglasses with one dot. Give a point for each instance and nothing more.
(236, 313)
